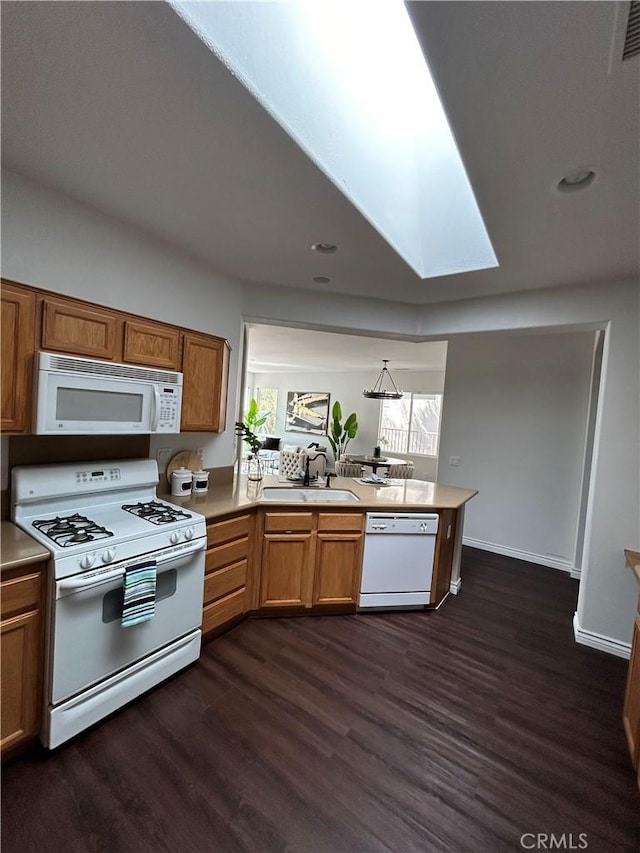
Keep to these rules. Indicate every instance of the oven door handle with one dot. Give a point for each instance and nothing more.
(82, 582)
(198, 545)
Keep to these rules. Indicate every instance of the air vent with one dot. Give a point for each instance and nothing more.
(632, 38)
(105, 368)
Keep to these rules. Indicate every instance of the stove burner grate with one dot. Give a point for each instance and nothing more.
(156, 512)
(69, 530)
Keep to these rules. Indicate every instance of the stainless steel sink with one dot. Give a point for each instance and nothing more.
(286, 493)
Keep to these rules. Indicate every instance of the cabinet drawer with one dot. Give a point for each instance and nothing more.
(225, 555)
(351, 521)
(20, 594)
(222, 610)
(225, 531)
(225, 581)
(282, 522)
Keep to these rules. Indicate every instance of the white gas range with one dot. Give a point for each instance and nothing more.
(104, 525)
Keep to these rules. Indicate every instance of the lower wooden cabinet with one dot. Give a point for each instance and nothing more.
(227, 572)
(310, 559)
(631, 712)
(21, 676)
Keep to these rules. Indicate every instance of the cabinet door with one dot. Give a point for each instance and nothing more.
(18, 345)
(19, 678)
(631, 713)
(205, 364)
(338, 568)
(443, 557)
(287, 571)
(79, 329)
(151, 344)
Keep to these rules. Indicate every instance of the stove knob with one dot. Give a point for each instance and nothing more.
(175, 537)
(87, 561)
(108, 555)
(188, 534)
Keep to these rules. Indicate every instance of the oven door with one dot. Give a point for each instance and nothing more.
(88, 642)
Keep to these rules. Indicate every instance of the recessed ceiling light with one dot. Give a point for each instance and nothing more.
(579, 180)
(321, 279)
(325, 248)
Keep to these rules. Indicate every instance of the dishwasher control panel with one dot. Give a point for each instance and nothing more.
(405, 523)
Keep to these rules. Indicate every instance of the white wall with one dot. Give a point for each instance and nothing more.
(52, 242)
(515, 413)
(347, 388)
(607, 590)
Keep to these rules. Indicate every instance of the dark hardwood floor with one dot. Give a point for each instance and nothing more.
(454, 731)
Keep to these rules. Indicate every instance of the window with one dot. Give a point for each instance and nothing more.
(411, 425)
(267, 400)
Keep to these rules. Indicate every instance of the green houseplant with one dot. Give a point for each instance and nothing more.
(341, 434)
(246, 430)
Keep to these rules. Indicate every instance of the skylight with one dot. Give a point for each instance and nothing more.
(348, 81)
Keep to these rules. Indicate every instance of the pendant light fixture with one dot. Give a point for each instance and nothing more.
(379, 391)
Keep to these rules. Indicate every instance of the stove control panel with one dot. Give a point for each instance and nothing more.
(98, 475)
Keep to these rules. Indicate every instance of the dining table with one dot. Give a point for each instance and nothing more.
(375, 462)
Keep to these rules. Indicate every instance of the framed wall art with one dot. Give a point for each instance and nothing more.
(307, 411)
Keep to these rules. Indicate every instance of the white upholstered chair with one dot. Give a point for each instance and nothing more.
(348, 469)
(401, 472)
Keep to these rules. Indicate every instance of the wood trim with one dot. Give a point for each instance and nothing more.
(631, 712)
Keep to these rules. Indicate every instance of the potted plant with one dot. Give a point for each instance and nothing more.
(341, 434)
(246, 430)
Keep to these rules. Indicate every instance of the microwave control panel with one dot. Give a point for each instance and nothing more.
(169, 410)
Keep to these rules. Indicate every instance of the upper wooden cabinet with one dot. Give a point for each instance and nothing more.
(34, 319)
(18, 343)
(151, 344)
(205, 365)
(80, 329)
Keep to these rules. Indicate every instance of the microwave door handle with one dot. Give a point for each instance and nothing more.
(82, 582)
(156, 409)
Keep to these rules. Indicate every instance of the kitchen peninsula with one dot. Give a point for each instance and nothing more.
(287, 556)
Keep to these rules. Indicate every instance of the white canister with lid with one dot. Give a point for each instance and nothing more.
(181, 480)
(200, 482)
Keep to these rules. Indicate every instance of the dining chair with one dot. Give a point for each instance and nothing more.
(401, 471)
(348, 469)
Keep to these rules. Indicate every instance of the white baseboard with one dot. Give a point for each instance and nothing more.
(527, 556)
(454, 586)
(575, 573)
(600, 641)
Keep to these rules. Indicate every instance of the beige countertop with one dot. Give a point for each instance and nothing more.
(408, 494)
(633, 561)
(18, 548)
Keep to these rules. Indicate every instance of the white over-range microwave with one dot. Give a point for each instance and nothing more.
(80, 396)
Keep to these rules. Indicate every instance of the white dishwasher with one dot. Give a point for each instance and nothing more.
(398, 559)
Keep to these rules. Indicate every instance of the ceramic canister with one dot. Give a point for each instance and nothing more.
(200, 482)
(181, 481)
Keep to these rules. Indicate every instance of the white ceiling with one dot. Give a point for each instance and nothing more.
(121, 106)
(279, 349)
